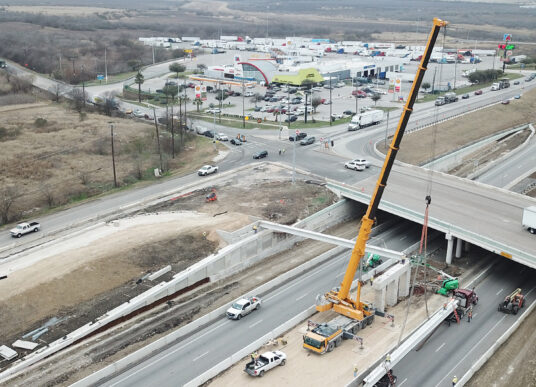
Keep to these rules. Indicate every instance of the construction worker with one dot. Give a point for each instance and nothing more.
(388, 359)
(284, 151)
(255, 228)
(371, 280)
(470, 314)
(454, 380)
(279, 151)
(355, 371)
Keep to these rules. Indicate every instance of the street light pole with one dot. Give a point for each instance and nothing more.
(243, 112)
(294, 158)
(113, 153)
(386, 131)
(330, 101)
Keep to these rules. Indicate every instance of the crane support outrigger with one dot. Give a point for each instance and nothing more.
(340, 301)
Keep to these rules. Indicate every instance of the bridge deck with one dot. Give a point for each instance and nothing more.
(483, 215)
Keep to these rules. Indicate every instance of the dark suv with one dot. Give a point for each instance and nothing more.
(260, 155)
(298, 137)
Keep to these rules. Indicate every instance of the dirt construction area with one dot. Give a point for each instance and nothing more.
(77, 279)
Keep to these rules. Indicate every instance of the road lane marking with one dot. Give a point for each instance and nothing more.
(404, 237)
(258, 322)
(469, 352)
(200, 356)
(168, 354)
(402, 382)
(441, 346)
(499, 292)
(301, 280)
(300, 297)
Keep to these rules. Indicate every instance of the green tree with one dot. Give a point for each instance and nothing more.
(139, 80)
(171, 91)
(376, 97)
(198, 102)
(177, 68)
(425, 85)
(315, 102)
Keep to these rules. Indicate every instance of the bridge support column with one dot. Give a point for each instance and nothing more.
(450, 246)
(466, 246)
(379, 299)
(404, 282)
(459, 243)
(392, 293)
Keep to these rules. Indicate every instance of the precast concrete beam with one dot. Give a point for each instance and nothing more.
(466, 246)
(411, 342)
(459, 243)
(393, 273)
(450, 246)
(329, 239)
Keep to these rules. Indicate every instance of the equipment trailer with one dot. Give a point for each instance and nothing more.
(513, 302)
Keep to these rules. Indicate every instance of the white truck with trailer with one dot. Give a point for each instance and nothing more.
(529, 219)
(243, 307)
(24, 228)
(265, 362)
(361, 120)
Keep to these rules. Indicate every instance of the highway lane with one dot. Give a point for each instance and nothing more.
(453, 350)
(207, 347)
(520, 163)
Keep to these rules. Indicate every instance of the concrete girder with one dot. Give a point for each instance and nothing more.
(387, 253)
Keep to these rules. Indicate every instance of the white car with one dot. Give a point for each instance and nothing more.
(243, 307)
(340, 84)
(249, 94)
(138, 113)
(365, 162)
(337, 116)
(355, 165)
(207, 170)
(214, 111)
(267, 107)
(222, 137)
(379, 91)
(317, 89)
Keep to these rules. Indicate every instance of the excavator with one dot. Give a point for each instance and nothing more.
(324, 337)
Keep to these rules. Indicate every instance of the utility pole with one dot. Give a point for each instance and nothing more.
(306, 94)
(243, 112)
(113, 153)
(105, 66)
(433, 80)
(386, 131)
(153, 54)
(288, 103)
(158, 140)
(455, 65)
(330, 101)
(172, 133)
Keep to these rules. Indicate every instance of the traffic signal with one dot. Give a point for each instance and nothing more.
(502, 46)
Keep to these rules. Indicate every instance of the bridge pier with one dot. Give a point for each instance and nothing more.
(459, 243)
(450, 246)
(392, 293)
(466, 246)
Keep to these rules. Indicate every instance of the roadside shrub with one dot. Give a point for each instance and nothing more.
(40, 122)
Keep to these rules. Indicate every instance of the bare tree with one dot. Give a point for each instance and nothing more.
(8, 195)
(77, 99)
(376, 97)
(57, 91)
(48, 194)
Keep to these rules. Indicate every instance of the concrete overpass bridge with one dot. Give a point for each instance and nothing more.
(466, 211)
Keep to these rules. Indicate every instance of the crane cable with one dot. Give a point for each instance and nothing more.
(428, 200)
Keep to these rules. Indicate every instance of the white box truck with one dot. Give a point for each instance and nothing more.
(529, 219)
(372, 117)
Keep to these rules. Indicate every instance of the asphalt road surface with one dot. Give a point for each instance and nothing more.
(209, 346)
(451, 350)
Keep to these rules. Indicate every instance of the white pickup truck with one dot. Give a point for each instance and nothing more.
(242, 307)
(265, 362)
(24, 228)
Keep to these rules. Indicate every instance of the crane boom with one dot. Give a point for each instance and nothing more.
(340, 301)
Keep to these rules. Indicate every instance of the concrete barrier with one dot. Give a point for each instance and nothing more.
(222, 366)
(186, 330)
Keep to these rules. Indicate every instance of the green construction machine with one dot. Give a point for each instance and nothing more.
(372, 261)
(448, 285)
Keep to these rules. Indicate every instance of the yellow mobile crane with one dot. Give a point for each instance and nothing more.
(324, 337)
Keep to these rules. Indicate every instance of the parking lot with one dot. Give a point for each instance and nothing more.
(340, 94)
